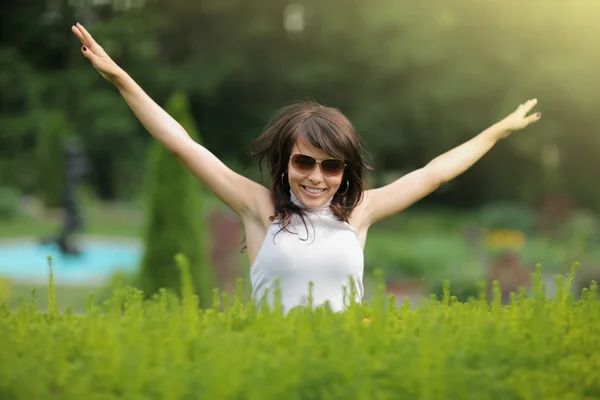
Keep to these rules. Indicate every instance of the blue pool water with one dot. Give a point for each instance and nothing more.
(27, 261)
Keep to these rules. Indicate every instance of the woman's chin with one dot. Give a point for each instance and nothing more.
(313, 200)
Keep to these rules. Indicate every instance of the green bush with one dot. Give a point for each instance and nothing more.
(463, 289)
(508, 216)
(405, 254)
(175, 221)
(165, 348)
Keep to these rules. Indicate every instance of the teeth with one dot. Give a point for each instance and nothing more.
(315, 191)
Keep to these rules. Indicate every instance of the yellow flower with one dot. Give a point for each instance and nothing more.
(505, 239)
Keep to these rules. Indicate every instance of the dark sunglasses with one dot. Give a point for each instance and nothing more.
(305, 164)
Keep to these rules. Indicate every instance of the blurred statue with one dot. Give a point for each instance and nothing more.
(75, 168)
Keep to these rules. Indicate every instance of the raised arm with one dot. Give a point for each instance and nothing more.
(383, 202)
(242, 195)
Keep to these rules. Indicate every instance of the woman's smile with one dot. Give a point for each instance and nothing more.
(313, 191)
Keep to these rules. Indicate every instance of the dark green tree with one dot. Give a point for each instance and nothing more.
(175, 220)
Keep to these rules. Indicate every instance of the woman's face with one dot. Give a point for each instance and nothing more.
(312, 188)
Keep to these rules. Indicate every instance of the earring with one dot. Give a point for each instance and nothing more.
(347, 187)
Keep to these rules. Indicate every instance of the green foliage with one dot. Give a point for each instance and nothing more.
(582, 230)
(464, 290)
(175, 222)
(415, 78)
(509, 216)
(9, 202)
(20, 120)
(166, 348)
(416, 255)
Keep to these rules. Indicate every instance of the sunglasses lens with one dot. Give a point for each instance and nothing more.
(332, 167)
(303, 163)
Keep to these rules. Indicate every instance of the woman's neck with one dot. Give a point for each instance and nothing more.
(324, 207)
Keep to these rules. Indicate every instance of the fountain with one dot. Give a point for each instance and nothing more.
(98, 259)
(92, 261)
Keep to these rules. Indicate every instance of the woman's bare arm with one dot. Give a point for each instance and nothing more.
(239, 193)
(388, 200)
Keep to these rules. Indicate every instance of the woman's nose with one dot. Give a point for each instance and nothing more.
(315, 175)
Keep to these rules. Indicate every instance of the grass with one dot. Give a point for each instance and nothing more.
(104, 220)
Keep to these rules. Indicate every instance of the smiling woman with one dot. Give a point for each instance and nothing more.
(301, 137)
(317, 166)
(330, 199)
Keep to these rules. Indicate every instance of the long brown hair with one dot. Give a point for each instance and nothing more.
(325, 128)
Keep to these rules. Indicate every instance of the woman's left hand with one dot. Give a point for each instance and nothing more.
(519, 118)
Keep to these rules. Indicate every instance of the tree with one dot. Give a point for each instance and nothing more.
(175, 221)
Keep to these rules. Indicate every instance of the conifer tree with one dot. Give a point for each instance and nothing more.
(175, 221)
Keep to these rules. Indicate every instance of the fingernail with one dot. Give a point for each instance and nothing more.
(84, 48)
(538, 114)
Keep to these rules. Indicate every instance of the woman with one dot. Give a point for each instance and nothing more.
(310, 227)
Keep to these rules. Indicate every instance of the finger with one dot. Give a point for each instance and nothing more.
(533, 118)
(529, 104)
(87, 52)
(88, 38)
(78, 33)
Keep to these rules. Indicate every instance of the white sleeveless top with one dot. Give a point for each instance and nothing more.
(327, 253)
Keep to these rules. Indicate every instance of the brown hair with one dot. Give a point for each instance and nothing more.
(325, 128)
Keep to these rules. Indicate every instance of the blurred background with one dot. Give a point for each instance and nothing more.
(81, 180)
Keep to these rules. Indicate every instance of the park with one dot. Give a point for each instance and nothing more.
(123, 275)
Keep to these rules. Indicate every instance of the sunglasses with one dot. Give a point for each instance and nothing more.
(305, 164)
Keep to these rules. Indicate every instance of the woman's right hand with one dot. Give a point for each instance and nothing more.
(96, 54)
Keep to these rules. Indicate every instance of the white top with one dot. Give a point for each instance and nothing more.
(327, 253)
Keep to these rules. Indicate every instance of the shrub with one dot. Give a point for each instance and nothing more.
(165, 348)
